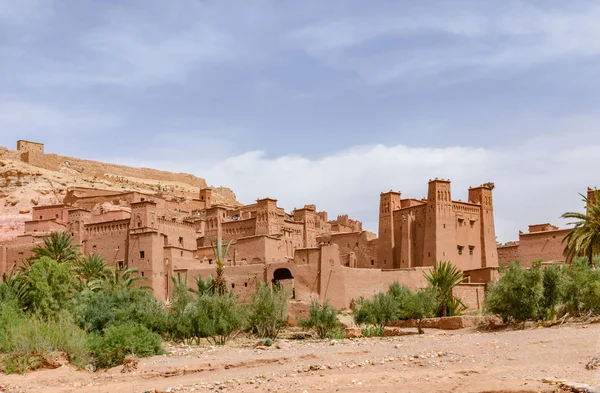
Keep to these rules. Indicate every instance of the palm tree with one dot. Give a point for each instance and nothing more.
(124, 278)
(13, 285)
(443, 278)
(584, 239)
(92, 268)
(59, 247)
(204, 287)
(220, 284)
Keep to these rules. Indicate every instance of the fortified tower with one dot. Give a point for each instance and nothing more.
(439, 244)
(482, 195)
(269, 220)
(591, 196)
(145, 248)
(308, 216)
(213, 228)
(206, 197)
(388, 202)
(78, 217)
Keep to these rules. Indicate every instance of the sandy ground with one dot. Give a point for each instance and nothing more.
(438, 361)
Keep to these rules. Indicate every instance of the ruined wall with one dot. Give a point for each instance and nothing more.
(27, 146)
(546, 246)
(100, 169)
(472, 295)
(482, 275)
(357, 249)
(508, 253)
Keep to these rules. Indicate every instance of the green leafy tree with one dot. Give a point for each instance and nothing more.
(516, 296)
(48, 286)
(267, 313)
(443, 278)
(584, 239)
(59, 247)
(321, 318)
(220, 284)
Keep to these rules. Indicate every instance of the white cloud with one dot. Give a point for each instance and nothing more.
(455, 38)
(536, 181)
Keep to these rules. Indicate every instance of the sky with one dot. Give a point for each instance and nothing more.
(325, 102)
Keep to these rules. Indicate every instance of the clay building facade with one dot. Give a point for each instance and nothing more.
(165, 235)
(542, 242)
(419, 232)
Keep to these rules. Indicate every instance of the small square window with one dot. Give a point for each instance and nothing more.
(460, 250)
(372, 262)
(121, 265)
(232, 286)
(142, 274)
(471, 248)
(245, 285)
(142, 254)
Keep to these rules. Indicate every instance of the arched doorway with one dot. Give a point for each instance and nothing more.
(283, 279)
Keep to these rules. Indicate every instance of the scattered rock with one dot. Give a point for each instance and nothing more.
(353, 332)
(392, 332)
(25, 210)
(593, 364)
(579, 387)
(54, 360)
(282, 345)
(130, 363)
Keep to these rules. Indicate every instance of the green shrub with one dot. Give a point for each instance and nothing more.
(372, 331)
(419, 305)
(117, 341)
(321, 318)
(376, 312)
(552, 278)
(516, 296)
(95, 311)
(27, 339)
(217, 318)
(580, 287)
(49, 286)
(267, 313)
(338, 333)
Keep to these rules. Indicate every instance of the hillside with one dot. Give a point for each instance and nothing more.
(45, 178)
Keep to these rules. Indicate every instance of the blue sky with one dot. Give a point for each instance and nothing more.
(326, 102)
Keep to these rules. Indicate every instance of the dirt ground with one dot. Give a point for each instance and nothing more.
(438, 361)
